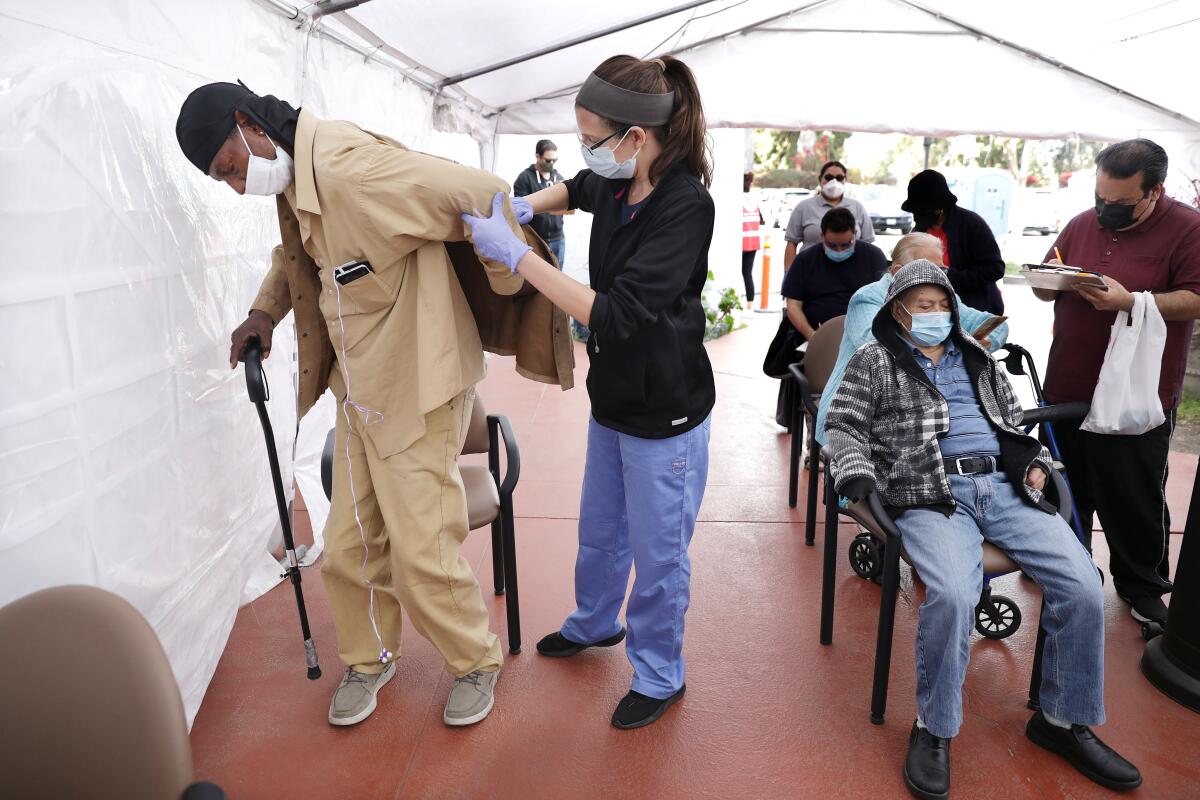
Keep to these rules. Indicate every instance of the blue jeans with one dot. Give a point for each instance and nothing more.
(559, 248)
(639, 506)
(948, 555)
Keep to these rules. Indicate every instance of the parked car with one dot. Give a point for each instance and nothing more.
(883, 206)
(1040, 212)
(784, 203)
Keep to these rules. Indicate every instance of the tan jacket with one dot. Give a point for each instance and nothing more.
(415, 329)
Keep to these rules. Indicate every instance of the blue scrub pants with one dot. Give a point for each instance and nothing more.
(639, 506)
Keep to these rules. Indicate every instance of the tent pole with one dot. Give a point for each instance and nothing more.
(511, 62)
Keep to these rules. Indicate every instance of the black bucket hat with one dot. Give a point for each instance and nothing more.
(927, 190)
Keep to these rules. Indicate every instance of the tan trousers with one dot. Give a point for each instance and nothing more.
(413, 511)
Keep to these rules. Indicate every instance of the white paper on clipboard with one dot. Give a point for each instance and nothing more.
(1060, 278)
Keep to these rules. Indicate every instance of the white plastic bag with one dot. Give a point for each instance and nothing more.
(1126, 400)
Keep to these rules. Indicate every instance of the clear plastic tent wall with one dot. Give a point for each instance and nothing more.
(130, 456)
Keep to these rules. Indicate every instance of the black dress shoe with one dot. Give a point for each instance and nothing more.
(637, 710)
(927, 768)
(1085, 752)
(556, 645)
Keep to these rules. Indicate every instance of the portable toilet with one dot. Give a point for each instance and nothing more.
(991, 198)
(988, 192)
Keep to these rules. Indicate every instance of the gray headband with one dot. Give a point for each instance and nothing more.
(625, 106)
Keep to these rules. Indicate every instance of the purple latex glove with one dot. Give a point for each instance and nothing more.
(494, 240)
(523, 210)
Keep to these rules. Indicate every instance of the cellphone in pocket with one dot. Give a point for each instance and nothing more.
(351, 271)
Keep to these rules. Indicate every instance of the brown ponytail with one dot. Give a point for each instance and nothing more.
(684, 137)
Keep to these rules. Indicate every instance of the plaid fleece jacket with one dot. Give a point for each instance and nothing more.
(886, 420)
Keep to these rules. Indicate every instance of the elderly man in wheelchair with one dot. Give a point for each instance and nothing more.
(925, 418)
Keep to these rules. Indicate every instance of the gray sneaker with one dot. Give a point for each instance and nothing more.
(354, 699)
(471, 698)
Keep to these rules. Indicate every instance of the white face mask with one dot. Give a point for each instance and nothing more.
(833, 189)
(265, 176)
(603, 162)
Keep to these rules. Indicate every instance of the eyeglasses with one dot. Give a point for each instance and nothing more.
(594, 147)
(829, 176)
(550, 161)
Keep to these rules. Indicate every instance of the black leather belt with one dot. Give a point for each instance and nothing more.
(971, 465)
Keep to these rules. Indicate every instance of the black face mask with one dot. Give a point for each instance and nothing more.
(923, 220)
(1115, 216)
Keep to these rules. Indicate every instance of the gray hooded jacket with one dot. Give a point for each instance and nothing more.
(886, 420)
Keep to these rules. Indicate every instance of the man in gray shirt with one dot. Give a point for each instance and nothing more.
(804, 227)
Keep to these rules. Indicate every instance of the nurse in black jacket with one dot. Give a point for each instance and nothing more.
(642, 131)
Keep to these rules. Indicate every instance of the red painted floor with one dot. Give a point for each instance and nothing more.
(769, 713)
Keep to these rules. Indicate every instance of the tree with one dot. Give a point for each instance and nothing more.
(795, 160)
(1003, 152)
(780, 150)
(1076, 154)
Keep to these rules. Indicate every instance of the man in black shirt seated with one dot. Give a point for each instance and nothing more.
(821, 280)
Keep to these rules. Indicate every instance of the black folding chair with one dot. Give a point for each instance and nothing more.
(810, 377)
(871, 514)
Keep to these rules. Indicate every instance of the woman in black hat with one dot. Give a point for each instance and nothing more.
(970, 253)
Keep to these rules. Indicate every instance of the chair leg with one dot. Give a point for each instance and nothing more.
(511, 598)
(829, 568)
(887, 620)
(794, 458)
(498, 555)
(1035, 679)
(810, 516)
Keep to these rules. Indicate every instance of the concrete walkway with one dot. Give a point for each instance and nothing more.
(769, 713)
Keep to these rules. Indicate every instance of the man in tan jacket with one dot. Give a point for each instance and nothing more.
(385, 310)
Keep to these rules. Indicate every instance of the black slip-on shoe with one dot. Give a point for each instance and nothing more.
(927, 767)
(1147, 608)
(556, 645)
(1085, 752)
(636, 710)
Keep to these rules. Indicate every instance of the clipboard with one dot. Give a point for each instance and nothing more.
(1060, 278)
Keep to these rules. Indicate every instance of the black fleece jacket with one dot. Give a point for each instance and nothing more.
(650, 375)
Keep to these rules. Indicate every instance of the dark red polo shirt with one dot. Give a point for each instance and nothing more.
(1160, 255)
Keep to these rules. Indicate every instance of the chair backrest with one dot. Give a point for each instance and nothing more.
(477, 430)
(89, 707)
(822, 352)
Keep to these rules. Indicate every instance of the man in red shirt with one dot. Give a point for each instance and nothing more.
(1141, 241)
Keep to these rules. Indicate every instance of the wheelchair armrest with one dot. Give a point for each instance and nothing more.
(804, 387)
(1061, 492)
(1054, 413)
(500, 428)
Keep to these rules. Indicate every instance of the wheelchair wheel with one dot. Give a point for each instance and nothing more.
(999, 621)
(866, 556)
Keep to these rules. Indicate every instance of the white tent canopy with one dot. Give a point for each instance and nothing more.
(130, 457)
(1023, 68)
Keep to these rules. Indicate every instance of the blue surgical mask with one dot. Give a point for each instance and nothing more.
(603, 162)
(838, 255)
(931, 328)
